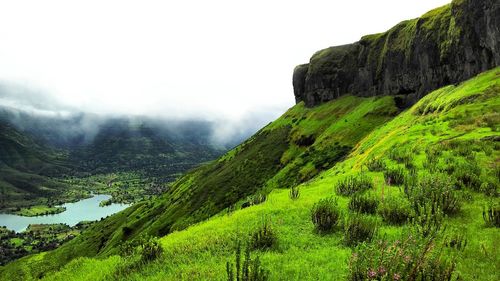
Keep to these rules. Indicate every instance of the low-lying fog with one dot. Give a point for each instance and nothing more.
(62, 125)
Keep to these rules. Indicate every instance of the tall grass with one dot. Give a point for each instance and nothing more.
(354, 184)
(491, 215)
(359, 228)
(326, 214)
(363, 203)
(246, 269)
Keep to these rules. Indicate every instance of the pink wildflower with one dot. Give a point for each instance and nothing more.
(372, 274)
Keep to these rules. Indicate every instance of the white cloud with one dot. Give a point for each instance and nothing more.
(180, 58)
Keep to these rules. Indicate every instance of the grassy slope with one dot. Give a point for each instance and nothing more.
(465, 113)
(274, 157)
(24, 166)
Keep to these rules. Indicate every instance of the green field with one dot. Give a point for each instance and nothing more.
(39, 210)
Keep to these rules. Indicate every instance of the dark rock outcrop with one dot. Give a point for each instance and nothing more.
(447, 45)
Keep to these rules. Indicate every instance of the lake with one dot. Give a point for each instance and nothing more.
(83, 210)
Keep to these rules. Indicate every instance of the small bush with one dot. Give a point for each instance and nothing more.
(466, 179)
(400, 156)
(436, 189)
(375, 165)
(257, 199)
(359, 228)
(231, 209)
(150, 249)
(490, 189)
(325, 214)
(147, 248)
(247, 269)
(467, 175)
(428, 220)
(354, 184)
(264, 238)
(464, 149)
(432, 158)
(366, 204)
(294, 193)
(491, 215)
(395, 210)
(409, 259)
(456, 241)
(394, 176)
(129, 248)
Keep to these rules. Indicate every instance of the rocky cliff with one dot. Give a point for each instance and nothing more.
(447, 45)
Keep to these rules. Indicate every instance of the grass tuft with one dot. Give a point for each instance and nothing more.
(326, 215)
(354, 184)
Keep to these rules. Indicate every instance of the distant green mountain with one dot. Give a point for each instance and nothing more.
(146, 146)
(26, 168)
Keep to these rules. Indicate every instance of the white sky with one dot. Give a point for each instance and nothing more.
(180, 58)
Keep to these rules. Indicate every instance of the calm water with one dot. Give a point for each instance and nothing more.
(83, 210)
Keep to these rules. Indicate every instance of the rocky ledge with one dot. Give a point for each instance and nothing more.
(445, 46)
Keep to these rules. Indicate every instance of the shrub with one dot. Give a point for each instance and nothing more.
(354, 184)
(395, 210)
(409, 259)
(325, 214)
(264, 237)
(375, 165)
(467, 175)
(464, 149)
(150, 249)
(491, 215)
(231, 209)
(432, 158)
(294, 193)
(428, 220)
(457, 241)
(449, 166)
(394, 176)
(248, 270)
(400, 156)
(436, 189)
(359, 228)
(257, 199)
(490, 189)
(366, 204)
(129, 248)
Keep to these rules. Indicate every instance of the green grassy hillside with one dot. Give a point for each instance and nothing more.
(432, 172)
(26, 168)
(289, 151)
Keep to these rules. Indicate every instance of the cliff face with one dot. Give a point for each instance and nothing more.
(447, 45)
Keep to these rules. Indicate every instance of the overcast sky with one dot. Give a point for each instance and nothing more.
(179, 58)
